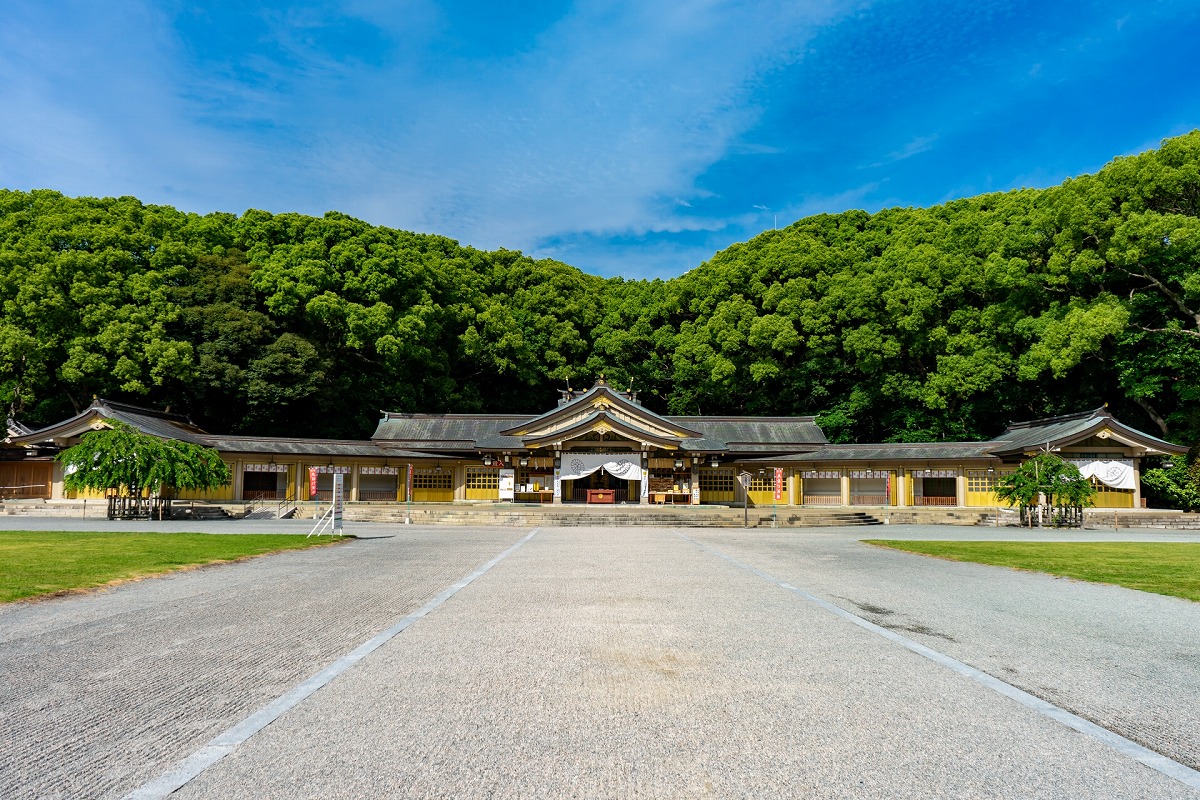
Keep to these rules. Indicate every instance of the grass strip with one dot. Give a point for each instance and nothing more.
(34, 563)
(1170, 568)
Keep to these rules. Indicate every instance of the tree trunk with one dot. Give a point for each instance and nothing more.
(1150, 412)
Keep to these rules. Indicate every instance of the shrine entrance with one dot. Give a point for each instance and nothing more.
(601, 477)
(624, 491)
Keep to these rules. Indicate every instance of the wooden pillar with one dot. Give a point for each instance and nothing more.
(960, 488)
(459, 471)
(845, 480)
(644, 483)
(901, 487)
(1137, 483)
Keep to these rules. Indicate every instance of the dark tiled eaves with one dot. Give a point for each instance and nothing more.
(321, 448)
(154, 423)
(749, 431)
(1056, 432)
(441, 430)
(941, 451)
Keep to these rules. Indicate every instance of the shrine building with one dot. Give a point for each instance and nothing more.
(603, 446)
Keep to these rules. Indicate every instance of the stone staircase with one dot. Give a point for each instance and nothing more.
(510, 515)
(202, 511)
(532, 516)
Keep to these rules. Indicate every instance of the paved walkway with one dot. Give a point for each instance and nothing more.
(600, 663)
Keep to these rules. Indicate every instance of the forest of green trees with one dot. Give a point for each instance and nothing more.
(904, 325)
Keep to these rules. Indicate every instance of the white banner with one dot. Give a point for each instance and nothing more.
(264, 467)
(579, 465)
(1117, 473)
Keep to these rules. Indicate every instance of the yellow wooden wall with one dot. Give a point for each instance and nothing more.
(717, 485)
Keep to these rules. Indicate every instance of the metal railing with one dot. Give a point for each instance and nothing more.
(29, 491)
(267, 494)
(377, 495)
(285, 506)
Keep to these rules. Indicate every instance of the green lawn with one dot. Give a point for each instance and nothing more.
(35, 562)
(1170, 568)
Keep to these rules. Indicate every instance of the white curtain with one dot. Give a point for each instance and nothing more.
(1116, 473)
(579, 465)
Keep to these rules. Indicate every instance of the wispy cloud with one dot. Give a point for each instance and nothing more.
(588, 129)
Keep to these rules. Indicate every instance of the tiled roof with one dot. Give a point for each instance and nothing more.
(747, 432)
(156, 423)
(1069, 428)
(889, 452)
(615, 398)
(435, 432)
(448, 431)
(341, 448)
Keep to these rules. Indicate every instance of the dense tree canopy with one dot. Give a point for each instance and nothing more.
(906, 324)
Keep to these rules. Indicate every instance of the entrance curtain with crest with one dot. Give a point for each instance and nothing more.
(627, 467)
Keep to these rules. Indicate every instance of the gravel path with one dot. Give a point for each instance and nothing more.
(598, 663)
(104, 691)
(1126, 660)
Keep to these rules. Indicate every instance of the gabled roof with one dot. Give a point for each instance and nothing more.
(1065, 430)
(601, 396)
(604, 421)
(147, 420)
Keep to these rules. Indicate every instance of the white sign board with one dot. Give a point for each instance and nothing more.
(339, 492)
(508, 484)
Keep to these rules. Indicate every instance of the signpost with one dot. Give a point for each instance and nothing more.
(408, 495)
(744, 480)
(778, 497)
(332, 517)
(339, 496)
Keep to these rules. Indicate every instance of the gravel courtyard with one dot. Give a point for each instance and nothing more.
(602, 663)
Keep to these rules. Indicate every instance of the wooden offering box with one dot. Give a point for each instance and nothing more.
(601, 495)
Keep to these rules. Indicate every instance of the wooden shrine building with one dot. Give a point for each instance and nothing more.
(602, 446)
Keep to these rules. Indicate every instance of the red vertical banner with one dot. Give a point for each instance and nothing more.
(312, 482)
(778, 483)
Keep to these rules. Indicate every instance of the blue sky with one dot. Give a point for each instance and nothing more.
(625, 138)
